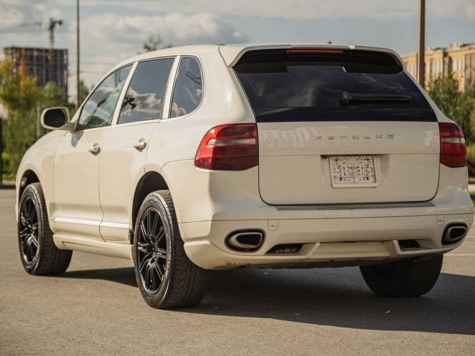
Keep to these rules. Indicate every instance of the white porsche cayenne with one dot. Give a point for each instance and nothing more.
(214, 157)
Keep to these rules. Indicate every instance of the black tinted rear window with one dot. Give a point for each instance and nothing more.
(330, 85)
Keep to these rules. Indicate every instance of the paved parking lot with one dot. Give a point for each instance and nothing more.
(95, 308)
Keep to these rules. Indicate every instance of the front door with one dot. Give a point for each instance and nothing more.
(78, 212)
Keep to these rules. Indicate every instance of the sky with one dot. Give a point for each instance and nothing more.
(113, 30)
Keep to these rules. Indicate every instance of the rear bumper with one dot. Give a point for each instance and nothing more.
(322, 241)
(219, 203)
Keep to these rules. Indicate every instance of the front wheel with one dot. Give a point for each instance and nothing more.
(164, 274)
(405, 278)
(38, 252)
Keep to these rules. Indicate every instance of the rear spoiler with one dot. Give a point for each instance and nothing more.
(231, 54)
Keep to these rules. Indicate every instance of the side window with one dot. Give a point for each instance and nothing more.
(144, 98)
(99, 108)
(188, 88)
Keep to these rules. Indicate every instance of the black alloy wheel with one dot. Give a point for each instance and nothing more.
(151, 251)
(28, 230)
(39, 255)
(165, 276)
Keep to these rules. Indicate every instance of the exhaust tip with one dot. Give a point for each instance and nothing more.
(454, 233)
(245, 240)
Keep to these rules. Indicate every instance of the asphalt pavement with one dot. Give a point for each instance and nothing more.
(95, 309)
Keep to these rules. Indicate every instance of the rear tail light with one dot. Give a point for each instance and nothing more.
(453, 152)
(229, 148)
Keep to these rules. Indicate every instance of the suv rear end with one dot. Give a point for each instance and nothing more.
(267, 156)
(340, 159)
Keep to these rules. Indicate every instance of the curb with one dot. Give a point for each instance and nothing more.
(7, 185)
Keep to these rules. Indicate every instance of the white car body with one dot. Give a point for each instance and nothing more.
(92, 199)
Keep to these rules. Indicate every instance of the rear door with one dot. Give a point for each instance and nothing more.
(339, 126)
(125, 146)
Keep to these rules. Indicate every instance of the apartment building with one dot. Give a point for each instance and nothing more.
(45, 64)
(458, 58)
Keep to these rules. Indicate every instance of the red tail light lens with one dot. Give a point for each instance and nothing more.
(453, 152)
(229, 148)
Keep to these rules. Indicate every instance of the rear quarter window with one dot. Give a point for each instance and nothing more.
(188, 90)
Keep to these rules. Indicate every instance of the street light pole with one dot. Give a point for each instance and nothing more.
(421, 53)
(78, 95)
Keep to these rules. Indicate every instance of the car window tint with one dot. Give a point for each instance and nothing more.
(144, 98)
(188, 88)
(99, 108)
(330, 85)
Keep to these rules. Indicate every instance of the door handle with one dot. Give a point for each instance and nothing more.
(95, 149)
(140, 145)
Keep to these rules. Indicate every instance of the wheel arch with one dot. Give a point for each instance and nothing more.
(149, 183)
(29, 176)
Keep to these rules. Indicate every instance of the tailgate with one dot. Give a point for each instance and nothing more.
(339, 126)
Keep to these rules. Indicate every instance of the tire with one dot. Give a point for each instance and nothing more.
(165, 276)
(405, 278)
(38, 253)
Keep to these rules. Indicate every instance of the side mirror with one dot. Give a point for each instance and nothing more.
(56, 119)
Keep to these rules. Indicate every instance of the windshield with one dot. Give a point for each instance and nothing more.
(328, 85)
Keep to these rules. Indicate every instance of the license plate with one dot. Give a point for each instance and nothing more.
(353, 171)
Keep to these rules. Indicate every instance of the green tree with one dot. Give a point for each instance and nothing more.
(52, 95)
(20, 96)
(457, 105)
(154, 42)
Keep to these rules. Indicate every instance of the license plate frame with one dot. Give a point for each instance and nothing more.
(356, 171)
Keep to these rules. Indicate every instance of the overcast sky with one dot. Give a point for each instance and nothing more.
(112, 30)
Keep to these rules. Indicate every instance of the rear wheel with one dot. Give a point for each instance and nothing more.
(38, 252)
(405, 278)
(165, 276)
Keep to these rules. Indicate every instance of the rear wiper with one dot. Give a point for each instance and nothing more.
(354, 99)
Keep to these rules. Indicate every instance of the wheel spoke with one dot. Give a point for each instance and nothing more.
(146, 276)
(160, 234)
(143, 230)
(31, 211)
(156, 266)
(162, 253)
(153, 276)
(144, 247)
(25, 250)
(34, 240)
(144, 263)
(149, 223)
(23, 221)
(24, 233)
(31, 250)
(153, 229)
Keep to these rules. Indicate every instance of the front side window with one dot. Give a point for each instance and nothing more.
(100, 106)
(188, 88)
(145, 95)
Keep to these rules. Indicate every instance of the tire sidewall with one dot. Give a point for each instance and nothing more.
(154, 200)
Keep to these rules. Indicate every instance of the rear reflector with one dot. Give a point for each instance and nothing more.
(453, 152)
(229, 148)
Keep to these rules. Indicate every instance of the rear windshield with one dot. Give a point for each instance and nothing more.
(329, 85)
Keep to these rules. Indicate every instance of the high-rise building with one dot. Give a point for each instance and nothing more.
(458, 58)
(44, 64)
